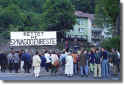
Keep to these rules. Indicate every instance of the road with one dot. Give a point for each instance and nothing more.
(47, 76)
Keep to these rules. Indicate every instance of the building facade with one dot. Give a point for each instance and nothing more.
(84, 29)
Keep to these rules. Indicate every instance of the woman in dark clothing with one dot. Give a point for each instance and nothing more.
(3, 62)
(104, 56)
(27, 62)
(83, 63)
(91, 59)
(114, 61)
(43, 60)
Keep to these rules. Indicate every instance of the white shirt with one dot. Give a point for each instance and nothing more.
(54, 58)
(36, 60)
(47, 56)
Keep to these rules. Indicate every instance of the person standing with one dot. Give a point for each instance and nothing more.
(55, 63)
(115, 61)
(97, 65)
(43, 59)
(91, 60)
(69, 65)
(10, 58)
(75, 63)
(48, 61)
(83, 63)
(118, 54)
(16, 61)
(36, 64)
(104, 56)
(27, 61)
(22, 60)
(3, 61)
(62, 60)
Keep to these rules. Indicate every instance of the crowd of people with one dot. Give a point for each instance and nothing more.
(99, 62)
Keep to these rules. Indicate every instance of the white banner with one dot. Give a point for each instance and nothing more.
(33, 38)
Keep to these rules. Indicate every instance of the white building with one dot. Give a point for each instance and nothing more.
(84, 29)
(106, 33)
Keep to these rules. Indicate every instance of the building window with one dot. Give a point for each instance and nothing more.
(81, 29)
(82, 22)
(78, 21)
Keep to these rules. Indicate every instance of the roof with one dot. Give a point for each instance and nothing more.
(82, 14)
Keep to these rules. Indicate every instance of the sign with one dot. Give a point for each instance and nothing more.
(33, 38)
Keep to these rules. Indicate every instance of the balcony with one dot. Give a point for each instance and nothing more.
(97, 37)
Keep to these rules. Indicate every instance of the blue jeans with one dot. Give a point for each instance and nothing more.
(84, 70)
(75, 68)
(105, 68)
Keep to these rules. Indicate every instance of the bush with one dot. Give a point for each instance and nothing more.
(111, 43)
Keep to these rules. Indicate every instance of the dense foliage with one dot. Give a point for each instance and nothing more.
(23, 15)
(58, 15)
(107, 13)
(111, 43)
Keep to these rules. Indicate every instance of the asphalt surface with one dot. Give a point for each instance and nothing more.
(47, 76)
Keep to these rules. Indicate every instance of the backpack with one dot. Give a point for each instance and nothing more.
(56, 63)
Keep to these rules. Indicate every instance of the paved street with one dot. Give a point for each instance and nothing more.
(47, 76)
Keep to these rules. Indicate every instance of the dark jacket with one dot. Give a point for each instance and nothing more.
(83, 58)
(27, 57)
(97, 58)
(92, 57)
(115, 58)
(43, 59)
(3, 58)
(104, 55)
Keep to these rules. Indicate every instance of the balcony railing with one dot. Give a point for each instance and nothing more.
(96, 37)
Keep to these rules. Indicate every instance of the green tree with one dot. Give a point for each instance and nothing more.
(10, 15)
(106, 13)
(58, 15)
(4, 3)
(84, 5)
(32, 22)
(111, 43)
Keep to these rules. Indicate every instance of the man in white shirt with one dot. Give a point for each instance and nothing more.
(48, 61)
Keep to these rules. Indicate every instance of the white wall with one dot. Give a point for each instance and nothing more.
(84, 28)
(89, 30)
